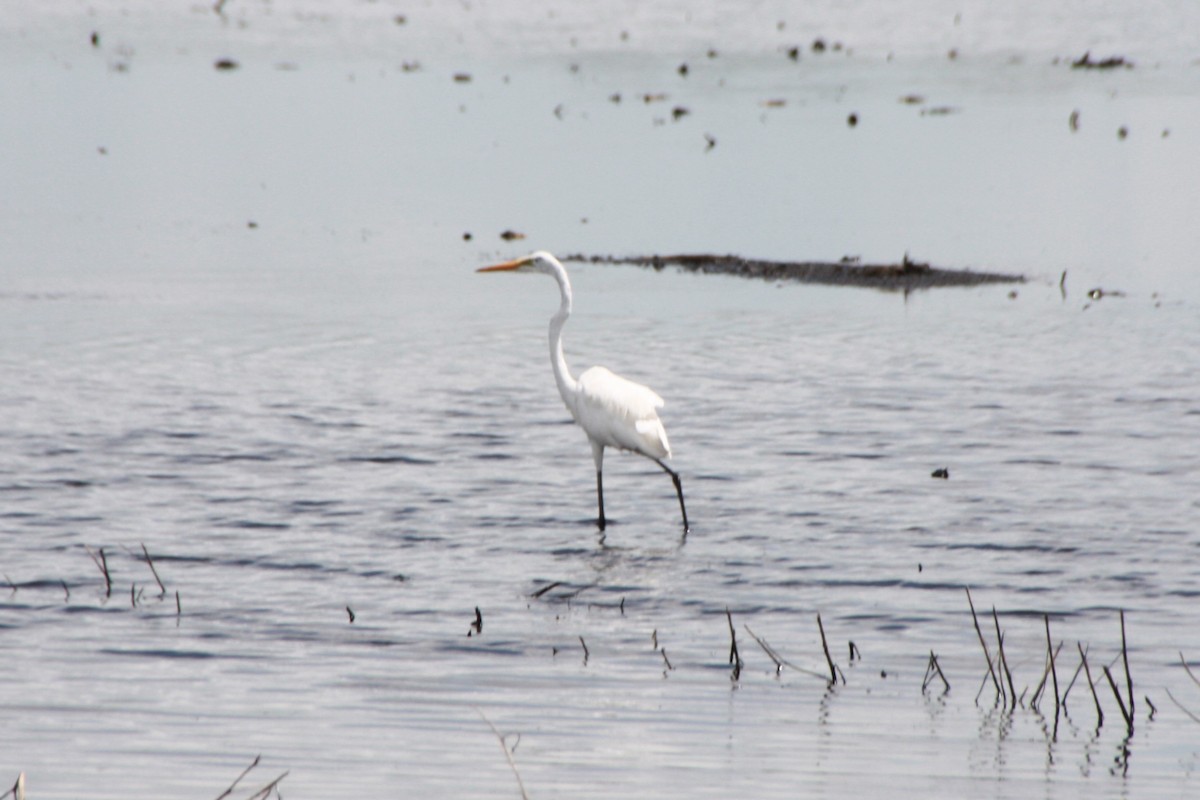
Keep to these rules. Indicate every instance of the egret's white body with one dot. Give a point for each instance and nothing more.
(613, 411)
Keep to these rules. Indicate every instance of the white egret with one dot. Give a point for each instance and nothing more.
(613, 411)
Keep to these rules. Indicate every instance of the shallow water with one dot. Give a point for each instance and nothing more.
(248, 335)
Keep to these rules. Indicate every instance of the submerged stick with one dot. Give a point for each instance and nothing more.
(238, 779)
(932, 669)
(833, 672)
(1053, 668)
(273, 786)
(779, 660)
(1120, 702)
(507, 752)
(586, 654)
(1088, 673)
(546, 588)
(1125, 661)
(983, 643)
(1188, 670)
(766, 648)
(735, 658)
(101, 562)
(1012, 692)
(1181, 706)
(1074, 678)
(162, 589)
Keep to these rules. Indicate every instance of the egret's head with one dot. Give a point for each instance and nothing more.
(541, 261)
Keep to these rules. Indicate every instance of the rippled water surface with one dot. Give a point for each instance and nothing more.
(240, 326)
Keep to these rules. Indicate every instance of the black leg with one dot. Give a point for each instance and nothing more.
(678, 490)
(600, 499)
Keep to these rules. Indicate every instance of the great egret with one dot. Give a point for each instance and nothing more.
(613, 411)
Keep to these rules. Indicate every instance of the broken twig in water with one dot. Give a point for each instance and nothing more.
(983, 643)
(1053, 668)
(586, 654)
(1087, 671)
(1125, 662)
(766, 648)
(507, 752)
(932, 669)
(1012, 692)
(734, 657)
(833, 669)
(273, 786)
(238, 779)
(162, 589)
(1120, 701)
(1181, 706)
(101, 562)
(545, 589)
(779, 660)
(1071, 685)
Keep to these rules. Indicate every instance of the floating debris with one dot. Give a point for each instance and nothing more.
(1073, 120)
(941, 472)
(1112, 62)
(462, 77)
(679, 112)
(225, 64)
(852, 120)
(1122, 132)
(912, 99)
(905, 276)
(939, 111)
(710, 142)
(512, 236)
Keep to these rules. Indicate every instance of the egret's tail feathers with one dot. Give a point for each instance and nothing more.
(655, 436)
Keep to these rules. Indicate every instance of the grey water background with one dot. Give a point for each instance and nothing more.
(239, 324)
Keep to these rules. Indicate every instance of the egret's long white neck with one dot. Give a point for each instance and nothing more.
(562, 373)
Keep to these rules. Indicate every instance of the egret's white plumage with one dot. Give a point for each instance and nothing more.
(613, 411)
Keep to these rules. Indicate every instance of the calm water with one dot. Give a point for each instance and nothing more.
(239, 324)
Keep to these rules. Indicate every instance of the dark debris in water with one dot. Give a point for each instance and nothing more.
(904, 276)
(1112, 62)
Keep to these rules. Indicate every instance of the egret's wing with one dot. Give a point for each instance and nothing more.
(620, 413)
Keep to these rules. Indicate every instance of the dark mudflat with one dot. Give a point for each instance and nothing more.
(904, 276)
